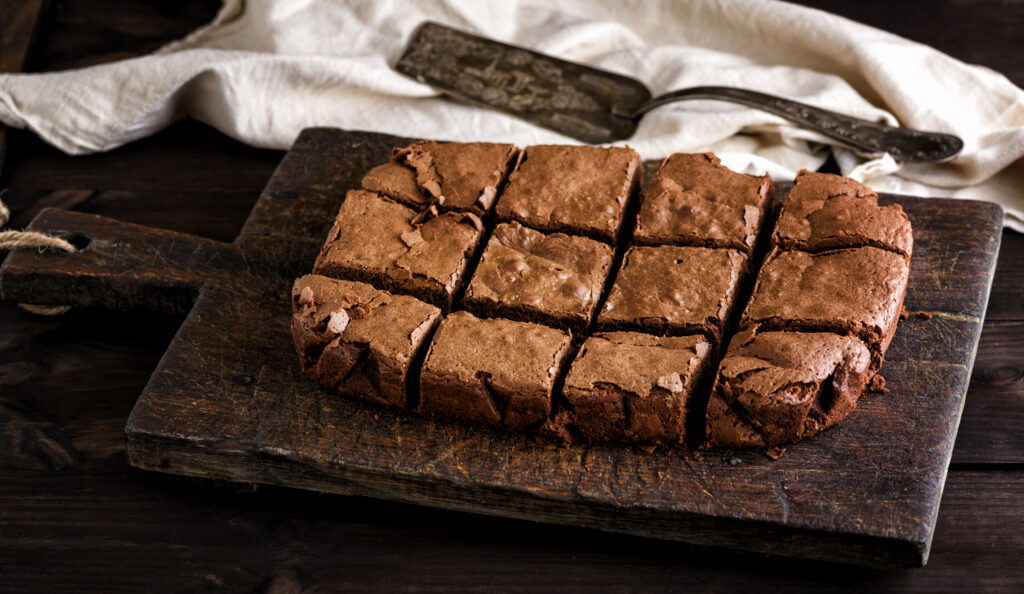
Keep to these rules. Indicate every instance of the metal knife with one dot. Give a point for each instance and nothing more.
(596, 106)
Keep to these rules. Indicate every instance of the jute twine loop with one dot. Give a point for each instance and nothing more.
(19, 240)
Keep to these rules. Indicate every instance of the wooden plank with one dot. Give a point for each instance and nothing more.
(994, 414)
(18, 21)
(100, 31)
(75, 530)
(1007, 299)
(234, 405)
(205, 162)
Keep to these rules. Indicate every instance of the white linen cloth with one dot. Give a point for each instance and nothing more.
(265, 69)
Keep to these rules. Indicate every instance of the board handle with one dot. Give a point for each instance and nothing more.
(117, 265)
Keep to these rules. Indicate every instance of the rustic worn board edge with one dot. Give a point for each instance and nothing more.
(995, 238)
(194, 458)
(997, 214)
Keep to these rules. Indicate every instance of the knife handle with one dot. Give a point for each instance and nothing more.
(904, 144)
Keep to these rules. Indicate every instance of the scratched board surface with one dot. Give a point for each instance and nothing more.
(229, 401)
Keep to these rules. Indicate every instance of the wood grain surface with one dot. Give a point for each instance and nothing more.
(74, 516)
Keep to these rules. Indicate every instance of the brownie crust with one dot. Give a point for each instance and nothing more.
(826, 211)
(825, 304)
(455, 176)
(358, 341)
(554, 279)
(853, 291)
(674, 290)
(391, 246)
(581, 190)
(635, 388)
(695, 200)
(778, 387)
(492, 371)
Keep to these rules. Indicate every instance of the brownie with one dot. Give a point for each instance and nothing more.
(491, 371)
(457, 176)
(554, 279)
(625, 386)
(777, 387)
(389, 245)
(695, 200)
(674, 290)
(582, 190)
(825, 211)
(356, 340)
(854, 291)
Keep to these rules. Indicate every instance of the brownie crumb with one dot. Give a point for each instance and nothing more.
(923, 315)
(878, 385)
(775, 453)
(555, 431)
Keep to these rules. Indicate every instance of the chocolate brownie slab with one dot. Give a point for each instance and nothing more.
(457, 176)
(581, 190)
(393, 247)
(626, 386)
(695, 200)
(777, 387)
(674, 290)
(854, 291)
(555, 279)
(491, 371)
(825, 211)
(356, 340)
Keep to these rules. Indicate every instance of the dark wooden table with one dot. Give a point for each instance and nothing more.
(74, 515)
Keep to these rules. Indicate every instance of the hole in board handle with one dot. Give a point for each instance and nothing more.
(79, 240)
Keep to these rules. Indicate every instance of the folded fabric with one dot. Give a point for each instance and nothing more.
(263, 70)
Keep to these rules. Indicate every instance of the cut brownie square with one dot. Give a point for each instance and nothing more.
(574, 189)
(458, 176)
(389, 245)
(856, 291)
(825, 211)
(356, 340)
(777, 387)
(491, 371)
(695, 200)
(553, 279)
(626, 386)
(674, 290)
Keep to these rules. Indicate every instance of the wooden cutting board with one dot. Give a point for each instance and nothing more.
(229, 401)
